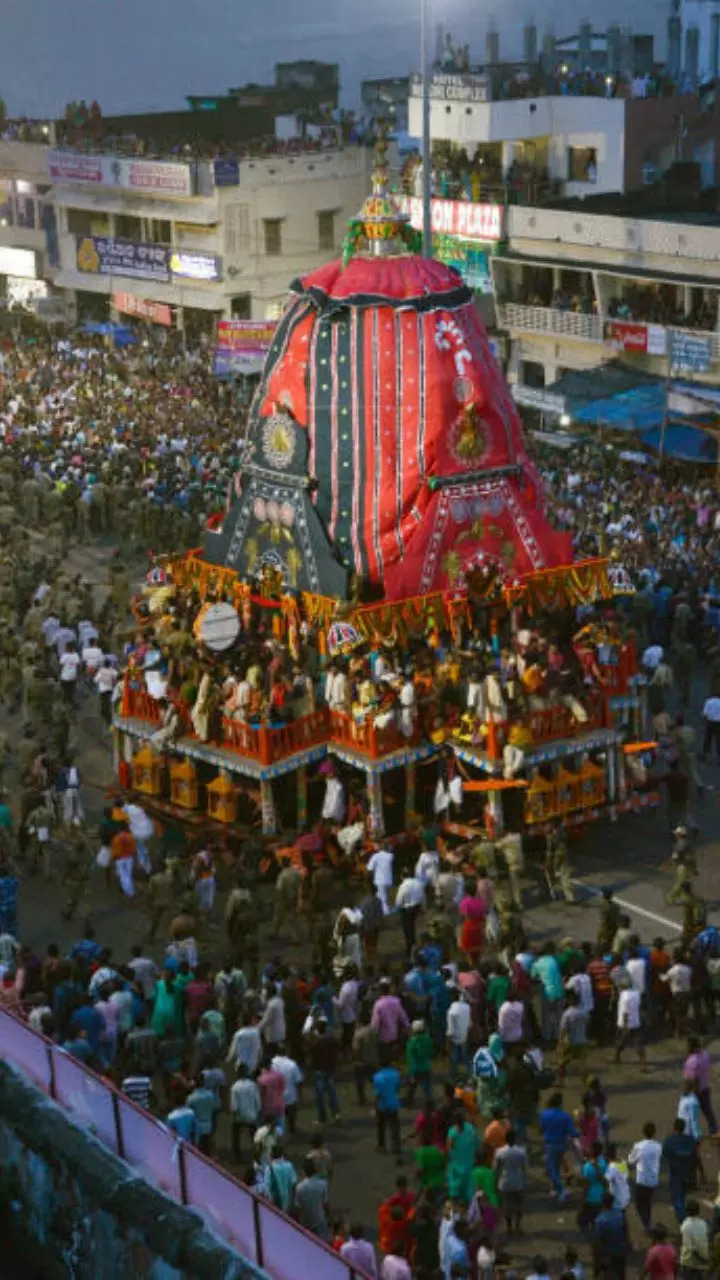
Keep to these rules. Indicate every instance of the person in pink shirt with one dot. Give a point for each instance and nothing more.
(108, 1038)
(271, 1084)
(389, 1018)
(359, 1252)
(698, 1067)
(395, 1266)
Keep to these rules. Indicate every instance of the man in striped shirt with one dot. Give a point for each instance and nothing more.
(139, 1090)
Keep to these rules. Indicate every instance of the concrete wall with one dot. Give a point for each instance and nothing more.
(662, 130)
(670, 248)
(83, 1212)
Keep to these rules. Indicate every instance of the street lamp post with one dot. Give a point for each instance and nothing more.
(426, 168)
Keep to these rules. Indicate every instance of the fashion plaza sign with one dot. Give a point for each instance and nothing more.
(461, 218)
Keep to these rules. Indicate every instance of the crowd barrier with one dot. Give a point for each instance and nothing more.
(247, 1222)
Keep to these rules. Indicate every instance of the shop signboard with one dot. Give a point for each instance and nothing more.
(691, 351)
(462, 218)
(103, 256)
(143, 308)
(632, 336)
(226, 171)
(158, 177)
(242, 345)
(448, 86)
(193, 264)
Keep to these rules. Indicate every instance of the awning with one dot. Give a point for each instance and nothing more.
(688, 444)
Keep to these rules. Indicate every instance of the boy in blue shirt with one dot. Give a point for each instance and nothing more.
(386, 1084)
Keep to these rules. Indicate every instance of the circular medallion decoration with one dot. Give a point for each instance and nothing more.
(218, 626)
(278, 441)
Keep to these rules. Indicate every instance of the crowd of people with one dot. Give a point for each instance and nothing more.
(269, 1001)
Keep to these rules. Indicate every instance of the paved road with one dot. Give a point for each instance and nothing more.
(631, 855)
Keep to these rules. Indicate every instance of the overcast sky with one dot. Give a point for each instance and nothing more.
(147, 54)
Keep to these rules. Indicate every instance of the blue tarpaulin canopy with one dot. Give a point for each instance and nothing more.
(622, 399)
(689, 444)
(636, 410)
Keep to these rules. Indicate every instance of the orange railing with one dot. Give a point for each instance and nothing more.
(365, 736)
(268, 744)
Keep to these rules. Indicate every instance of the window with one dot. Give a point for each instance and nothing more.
(326, 229)
(128, 227)
(582, 164)
(241, 306)
(273, 236)
(237, 229)
(160, 231)
(80, 222)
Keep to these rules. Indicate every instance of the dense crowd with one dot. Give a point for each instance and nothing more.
(273, 997)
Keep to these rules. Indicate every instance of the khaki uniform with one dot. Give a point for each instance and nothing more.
(287, 903)
(161, 893)
(510, 847)
(77, 874)
(558, 866)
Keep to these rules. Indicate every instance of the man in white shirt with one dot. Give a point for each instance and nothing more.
(70, 662)
(645, 1157)
(92, 656)
(409, 902)
(246, 1046)
(694, 1243)
(581, 984)
(711, 716)
(629, 1024)
(380, 866)
(458, 1030)
(293, 1077)
(637, 969)
(245, 1105)
(336, 689)
(106, 677)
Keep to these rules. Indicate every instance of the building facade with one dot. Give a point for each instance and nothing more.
(576, 289)
(27, 224)
(189, 242)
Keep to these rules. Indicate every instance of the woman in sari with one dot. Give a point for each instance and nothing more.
(462, 1148)
(167, 1014)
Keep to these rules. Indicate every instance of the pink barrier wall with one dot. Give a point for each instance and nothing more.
(26, 1050)
(89, 1099)
(150, 1148)
(229, 1208)
(248, 1223)
(289, 1252)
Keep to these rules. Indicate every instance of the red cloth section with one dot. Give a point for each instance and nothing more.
(468, 526)
(426, 401)
(406, 276)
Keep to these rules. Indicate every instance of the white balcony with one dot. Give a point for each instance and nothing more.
(562, 324)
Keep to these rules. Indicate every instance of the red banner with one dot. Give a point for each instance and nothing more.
(143, 308)
(625, 336)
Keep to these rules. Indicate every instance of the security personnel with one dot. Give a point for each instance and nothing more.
(510, 846)
(77, 872)
(557, 866)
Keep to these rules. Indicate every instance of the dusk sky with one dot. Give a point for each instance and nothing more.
(146, 54)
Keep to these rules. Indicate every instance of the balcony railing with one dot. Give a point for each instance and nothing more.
(565, 324)
(588, 328)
